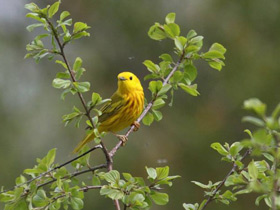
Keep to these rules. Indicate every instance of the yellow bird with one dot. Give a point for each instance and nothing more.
(124, 108)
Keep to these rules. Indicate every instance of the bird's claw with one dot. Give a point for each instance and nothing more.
(136, 126)
(123, 138)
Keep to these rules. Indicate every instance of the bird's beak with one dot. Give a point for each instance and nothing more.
(122, 78)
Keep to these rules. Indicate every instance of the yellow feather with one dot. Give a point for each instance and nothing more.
(124, 108)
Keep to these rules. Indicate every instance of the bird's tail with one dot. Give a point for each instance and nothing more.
(87, 139)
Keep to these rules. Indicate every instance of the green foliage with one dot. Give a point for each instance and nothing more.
(187, 48)
(133, 191)
(259, 176)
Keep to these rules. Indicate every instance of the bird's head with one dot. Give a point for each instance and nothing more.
(128, 82)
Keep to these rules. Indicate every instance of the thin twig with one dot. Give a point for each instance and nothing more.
(53, 169)
(234, 168)
(77, 173)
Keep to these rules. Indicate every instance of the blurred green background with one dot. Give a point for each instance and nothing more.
(31, 110)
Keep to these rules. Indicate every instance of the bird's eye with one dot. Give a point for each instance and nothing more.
(130, 78)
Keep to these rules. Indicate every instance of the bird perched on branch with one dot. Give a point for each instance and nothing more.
(124, 108)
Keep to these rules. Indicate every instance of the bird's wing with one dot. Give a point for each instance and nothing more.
(112, 107)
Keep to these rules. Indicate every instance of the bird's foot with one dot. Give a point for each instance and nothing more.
(123, 138)
(136, 126)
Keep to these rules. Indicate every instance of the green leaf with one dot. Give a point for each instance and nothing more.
(50, 157)
(95, 98)
(235, 148)
(164, 89)
(157, 115)
(254, 121)
(172, 30)
(255, 105)
(157, 33)
(190, 71)
(155, 86)
(53, 9)
(148, 119)
(154, 68)
(191, 89)
(253, 170)
(160, 198)
(152, 173)
(166, 57)
(32, 7)
(170, 18)
(218, 47)
(213, 55)
(63, 15)
(77, 64)
(162, 172)
(177, 77)
(219, 148)
(76, 203)
(112, 193)
(40, 199)
(79, 26)
(61, 83)
(62, 63)
(191, 34)
(31, 27)
(158, 103)
(63, 75)
(112, 176)
(82, 86)
(180, 42)
(190, 206)
(216, 64)
(202, 185)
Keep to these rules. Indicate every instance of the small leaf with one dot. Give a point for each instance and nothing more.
(156, 33)
(191, 89)
(253, 170)
(191, 34)
(255, 105)
(157, 115)
(151, 66)
(53, 9)
(63, 15)
(162, 172)
(112, 176)
(76, 203)
(158, 103)
(148, 119)
(82, 86)
(79, 26)
(254, 121)
(219, 148)
(160, 198)
(61, 83)
(172, 30)
(170, 18)
(77, 64)
(164, 89)
(95, 98)
(151, 172)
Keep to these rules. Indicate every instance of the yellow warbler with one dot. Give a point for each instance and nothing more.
(124, 108)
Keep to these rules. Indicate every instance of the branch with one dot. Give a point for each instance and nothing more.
(234, 168)
(77, 173)
(53, 169)
(61, 47)
(148, 107)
